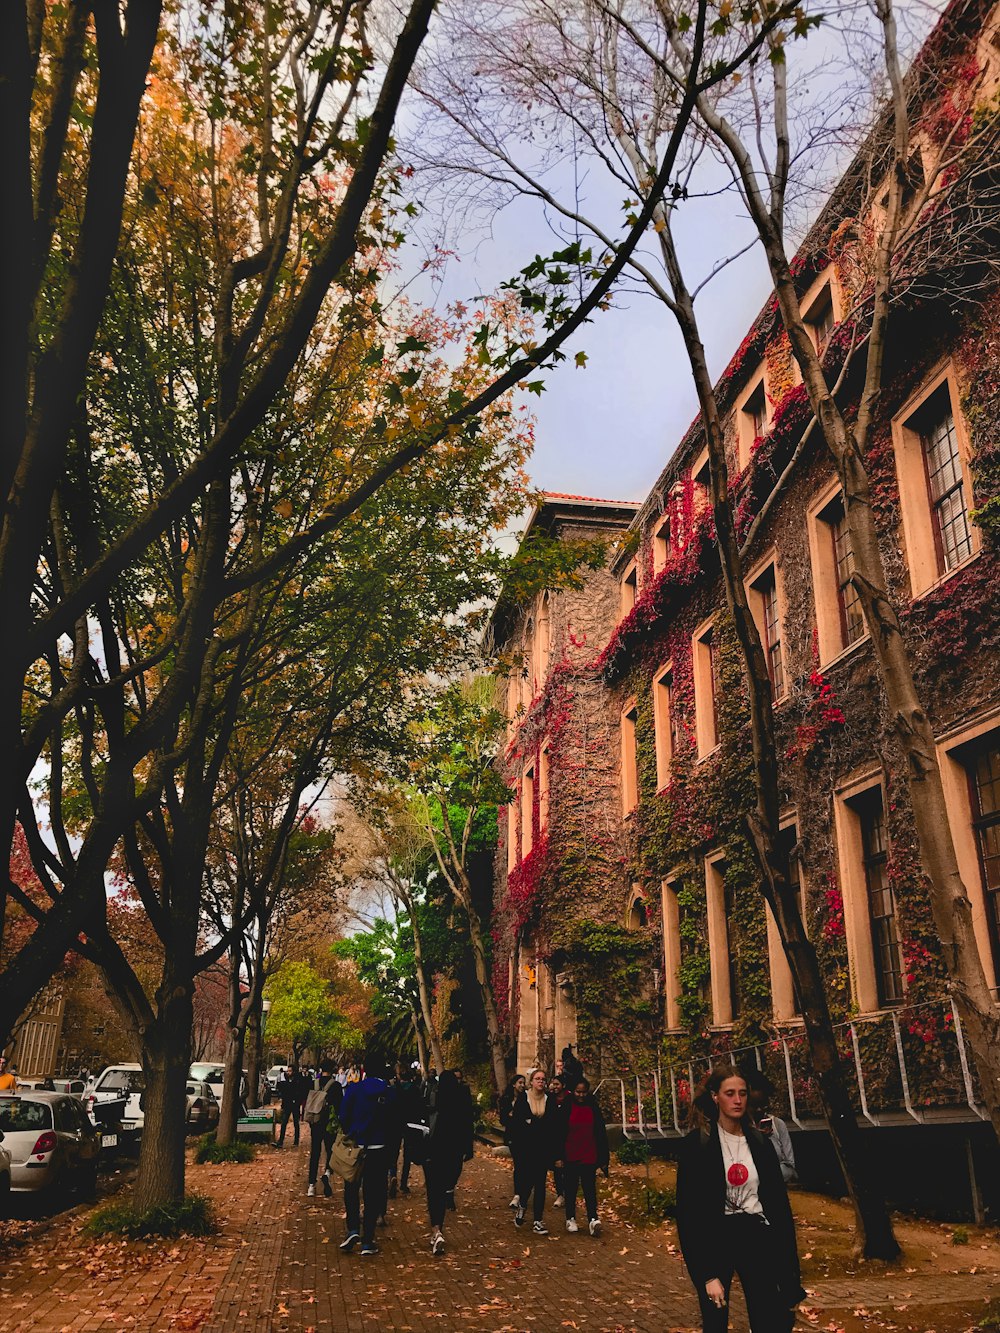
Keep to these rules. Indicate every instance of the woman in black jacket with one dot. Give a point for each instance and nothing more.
(534, 1144)
(451, 1118)
(733, 1215)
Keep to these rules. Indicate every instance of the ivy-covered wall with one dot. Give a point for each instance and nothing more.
(567, 902)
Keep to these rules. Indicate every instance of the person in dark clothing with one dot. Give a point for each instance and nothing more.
(321, 1130)
(583, 1152)
(370, 1116)
(559, 1097)
(534, 1133)
(733, 1215)
(449, 1146)
(572, 1069)
(287, 1093)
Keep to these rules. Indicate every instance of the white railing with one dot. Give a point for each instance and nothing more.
(906, 1063)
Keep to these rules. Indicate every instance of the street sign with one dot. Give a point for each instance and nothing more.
(258, 1121)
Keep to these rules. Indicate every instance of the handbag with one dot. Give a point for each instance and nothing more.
(347, 1158)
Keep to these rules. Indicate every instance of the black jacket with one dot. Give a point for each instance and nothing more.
(600, 1131)
(451, 1116)
(534, 1136)
(701, 1206)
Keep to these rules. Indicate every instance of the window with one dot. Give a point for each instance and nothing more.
(725, 989)
(934, 483)
(672, 952)
(630, 775)
(984, 787)
(512, 838)
(543, 639)
(706, 693)
(527, 811)
(945, 483)
(820, 319)
(840, 621)
(629, 589)
(752, 416)
(637, 917)
(783, 1001)
(661, 544)
(664, 725)
(701, 486)
(886, 952)
(764, 604)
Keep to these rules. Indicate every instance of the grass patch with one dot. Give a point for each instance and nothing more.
(632, 1152)
(191, 1216)
(960, 1236)
(210, 1151)
(661, 1203)
(990, 1323)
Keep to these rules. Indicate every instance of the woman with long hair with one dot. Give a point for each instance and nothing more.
(583, 1152)
(733, 1214)
(534, 1133)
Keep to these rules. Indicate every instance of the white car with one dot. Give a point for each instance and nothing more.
(4, 1175)
(50, 1142)
(273, 1074)
(126, 1081)
(206, 1072)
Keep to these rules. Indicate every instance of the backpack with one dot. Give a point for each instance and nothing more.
(316, 1108)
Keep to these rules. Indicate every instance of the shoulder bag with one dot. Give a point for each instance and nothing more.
(347, 1158)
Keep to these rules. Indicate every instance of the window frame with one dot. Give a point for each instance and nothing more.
(706, 703)
(827, 602)
(629, 721)
(746, 420)
(664, 724)
(924, 560)
(767, 570)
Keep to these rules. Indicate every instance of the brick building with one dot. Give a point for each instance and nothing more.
(628, 909)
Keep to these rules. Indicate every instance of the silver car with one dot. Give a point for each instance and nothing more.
(50, 1140)
(202, 1107)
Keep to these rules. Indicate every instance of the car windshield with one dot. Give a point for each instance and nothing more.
(122, 1080)
(23, 1115)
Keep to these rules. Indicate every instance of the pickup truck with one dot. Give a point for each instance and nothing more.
(115, 1102)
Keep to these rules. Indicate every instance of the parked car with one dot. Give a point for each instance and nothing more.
(50, 1141)
(112, 1084)
(4, 1174)
(273, 1074)
(202, 1107)
(205, 1071)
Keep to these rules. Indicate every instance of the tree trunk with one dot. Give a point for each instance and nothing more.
(254, 1055)
(418, 1033)
(166, 1059)
(426, 1009)
(232, 1081)
(494, 1033)
(876, 1238)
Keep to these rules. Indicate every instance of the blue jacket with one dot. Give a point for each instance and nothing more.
(370, 1113)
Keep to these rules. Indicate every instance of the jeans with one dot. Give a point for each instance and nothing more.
(287, 1111)
(373, 1188)
(530, 1176)
(440, 1178)
(746, 1247)
(559, 1180)
(583, 1174)
(319, 1137)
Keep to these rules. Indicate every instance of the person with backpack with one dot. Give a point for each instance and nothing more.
(321, 1103)
(369, 1115)
(451, 1119)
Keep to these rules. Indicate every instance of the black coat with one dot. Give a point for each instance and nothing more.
(701, 1206)
(534, 1136)
(600, 1131)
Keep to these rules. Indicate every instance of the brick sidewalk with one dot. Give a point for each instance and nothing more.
(292, 1277)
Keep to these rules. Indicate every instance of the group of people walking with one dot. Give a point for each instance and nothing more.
(431, 1122)
(733, 1213)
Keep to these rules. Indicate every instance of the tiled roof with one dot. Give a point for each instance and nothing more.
(590, 499)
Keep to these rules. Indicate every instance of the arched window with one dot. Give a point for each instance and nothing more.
(637, 916)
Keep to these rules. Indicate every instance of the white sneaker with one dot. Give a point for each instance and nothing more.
(540, 1229)
(311, 1191)
(595, 1226)
(437, 1243)
(515, 1203)
(560, 1202)
(572, 1225)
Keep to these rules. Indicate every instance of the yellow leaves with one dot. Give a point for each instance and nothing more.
(283, 508)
